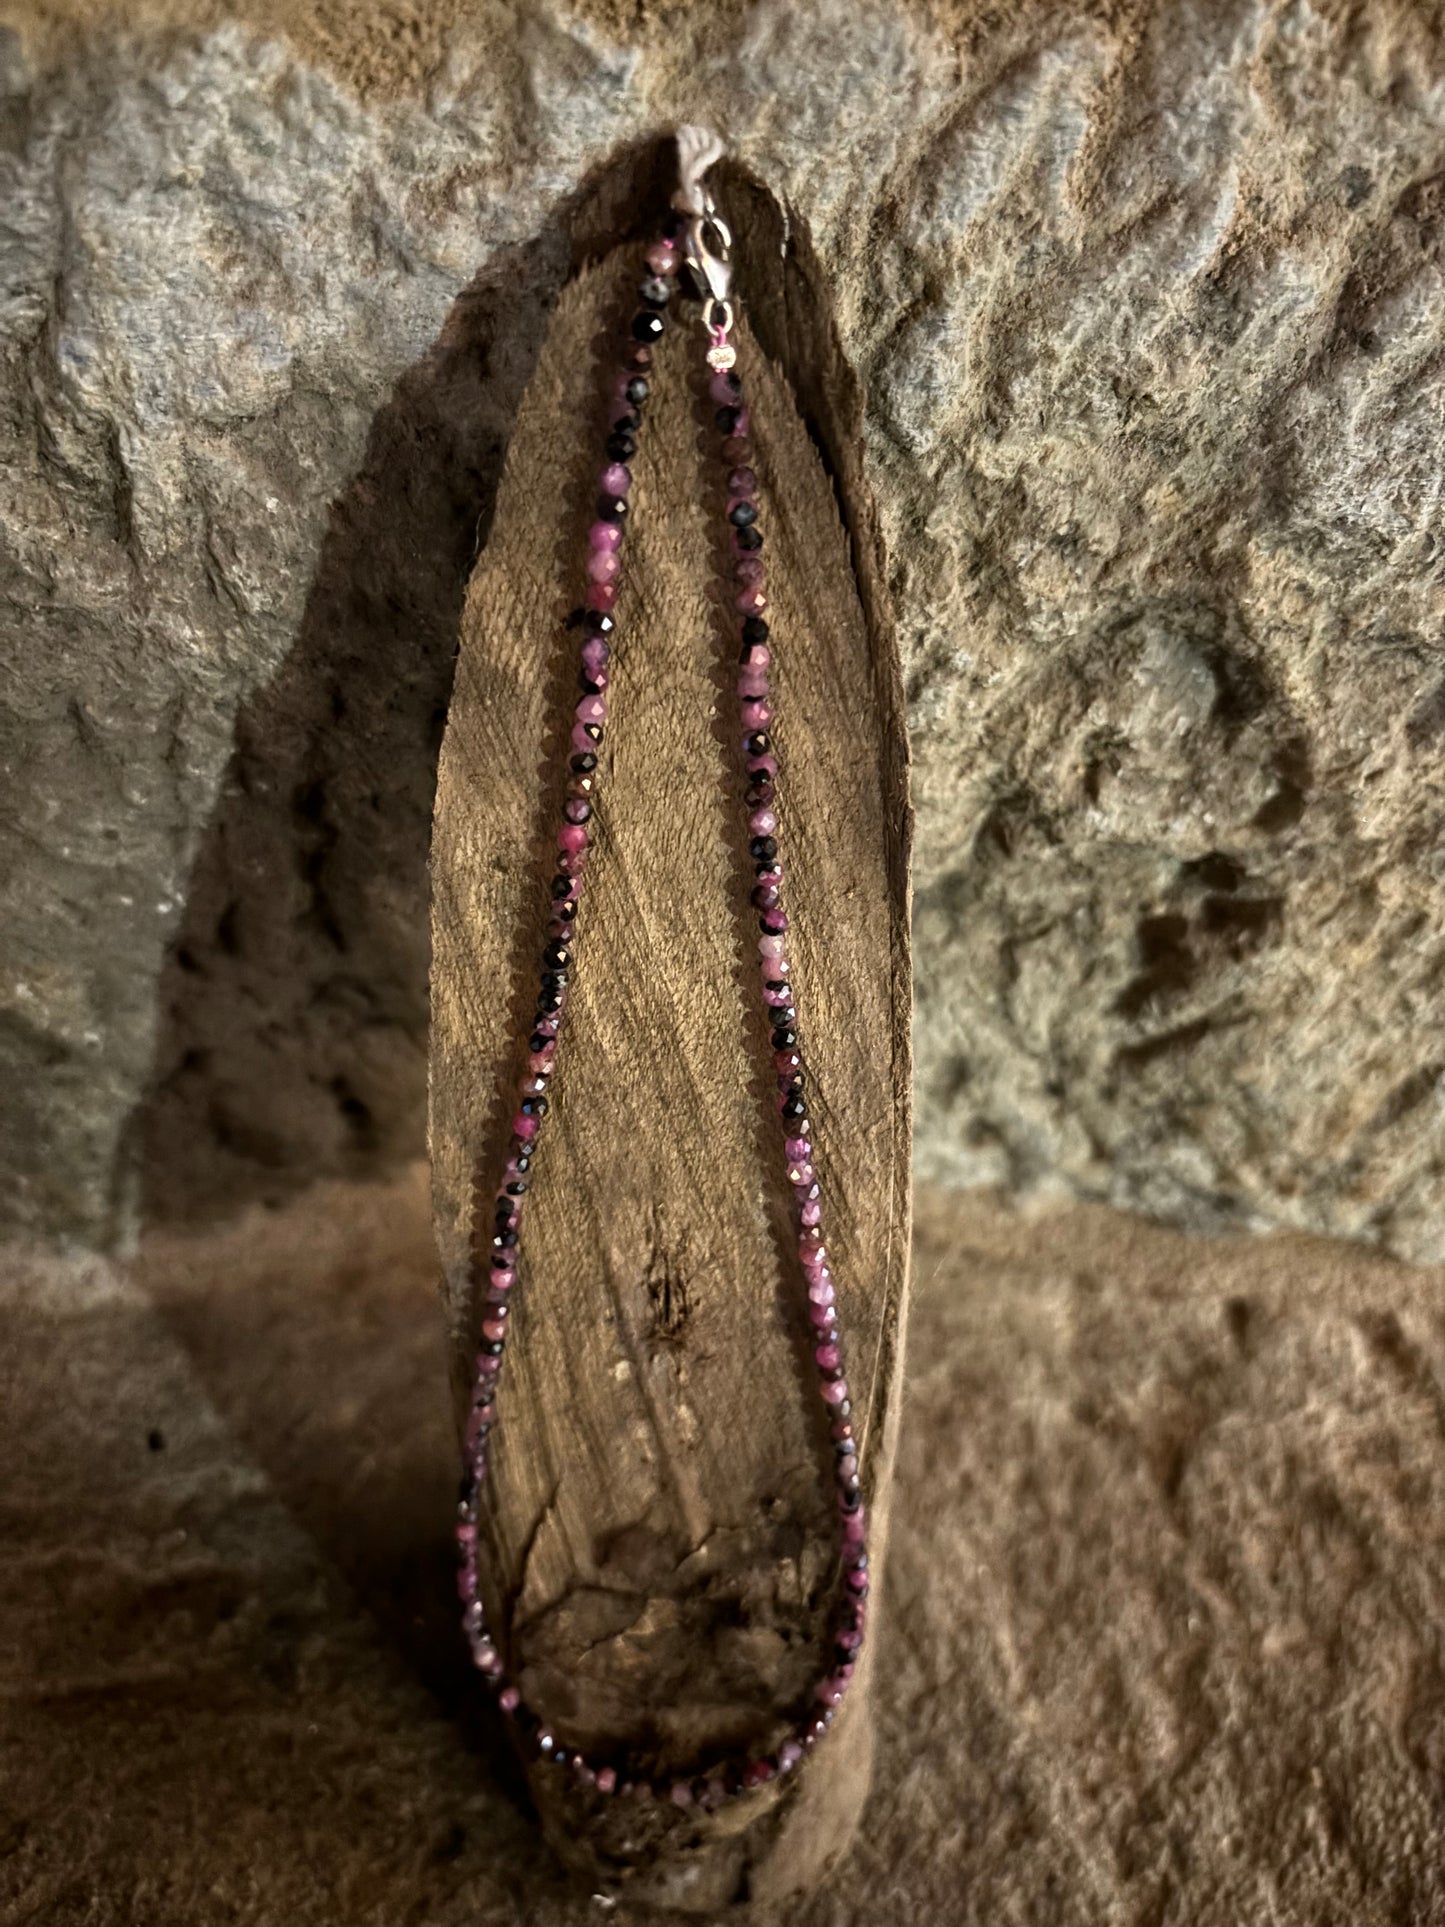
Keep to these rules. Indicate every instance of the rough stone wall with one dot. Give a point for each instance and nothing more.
(1148, 304)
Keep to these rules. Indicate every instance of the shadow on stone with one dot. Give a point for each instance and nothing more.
(293, 1003)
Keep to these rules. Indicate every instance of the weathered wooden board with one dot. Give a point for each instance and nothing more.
(660, 1530)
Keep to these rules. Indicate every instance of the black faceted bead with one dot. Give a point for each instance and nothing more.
(784, 1037)
(748, 539)
(742, 515)
(556, 956)
(794, 1107)
(584, 763)
(655, 292)
(764, 847)
(592, 731)
(727, 420)
(612, 508)
(554, 979)
(539, 1041)
(646, 327)
(494, 1349)
(549, 1001)
(516, 1188)
(731, 382)
(567, 909)
(755, 629)
(599, 624)
(637, 390)
(627, 424)
(759, 743)
(620, 446)
(531, 1107)
(560, 887)
(785, 1016)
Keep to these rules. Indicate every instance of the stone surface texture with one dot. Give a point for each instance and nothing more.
(1159, 1638)
(1149, 305)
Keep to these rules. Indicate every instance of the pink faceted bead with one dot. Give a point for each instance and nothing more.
(797, 1148)
(503, 1280)
(602, 596)
(834, 1391)
(750, 567)
(604, 535)
(603, 565)
(723, 389)
(494, 1330)
(595, 656)
(616, 479)
(855, 1532)
(661, 257)
(759, 656)
(771, 946)
(572, 836)
(821, 1316)
(752, 601)
(606, 1779)
(752, 683)
(757, 714)
(509, 1699)
(591, 709)
(742, 482)
(524, 1126)
(765, 765)
(799, 1170)
(763, 822)
(811, 1212)
(829, 1358)
(789, 1754)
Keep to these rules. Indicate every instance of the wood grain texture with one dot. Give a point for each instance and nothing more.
(661, 1535)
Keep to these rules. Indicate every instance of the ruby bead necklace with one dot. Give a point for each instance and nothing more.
(695, 239)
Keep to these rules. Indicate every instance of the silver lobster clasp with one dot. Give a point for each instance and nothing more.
(707, 251)
(707, 238)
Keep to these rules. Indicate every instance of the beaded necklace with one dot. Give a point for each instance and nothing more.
(695, 238)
